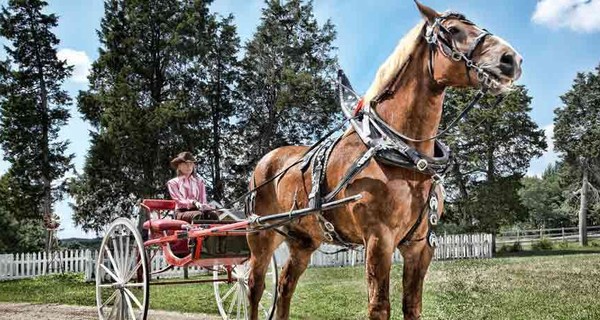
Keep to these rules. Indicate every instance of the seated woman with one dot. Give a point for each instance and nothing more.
(188, 191)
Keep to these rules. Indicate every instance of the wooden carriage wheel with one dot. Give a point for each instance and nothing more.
(122, 278)
(232, 299)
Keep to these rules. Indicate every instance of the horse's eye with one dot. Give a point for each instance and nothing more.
(453, 30)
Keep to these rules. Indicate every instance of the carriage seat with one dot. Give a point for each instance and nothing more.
(158, 204)
(159, 225)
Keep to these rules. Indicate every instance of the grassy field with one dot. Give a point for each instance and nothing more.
(558, 285)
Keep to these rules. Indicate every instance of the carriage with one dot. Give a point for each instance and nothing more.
(123, 277)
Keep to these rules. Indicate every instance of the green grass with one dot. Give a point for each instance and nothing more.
(565, 286)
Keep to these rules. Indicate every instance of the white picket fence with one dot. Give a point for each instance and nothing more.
(28, 265)
(464, 246)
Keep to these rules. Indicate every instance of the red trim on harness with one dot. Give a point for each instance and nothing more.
(359, 106)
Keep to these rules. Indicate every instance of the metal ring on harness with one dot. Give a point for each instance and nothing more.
(433, 219)
(422, 164)
(433, 202)
(432, 239)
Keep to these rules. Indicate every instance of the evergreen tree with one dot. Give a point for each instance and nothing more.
(492, 148)
(217, 87)
(141, 104)
(287, 97)
(32, 109)
(577, 136)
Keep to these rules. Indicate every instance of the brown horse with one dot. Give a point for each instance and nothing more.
(392, 197)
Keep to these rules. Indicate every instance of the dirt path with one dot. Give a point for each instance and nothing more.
(28, 311)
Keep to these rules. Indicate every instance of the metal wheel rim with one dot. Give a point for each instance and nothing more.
(232, 299)
(122, 274)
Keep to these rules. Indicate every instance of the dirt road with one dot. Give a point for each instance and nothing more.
(29, 311)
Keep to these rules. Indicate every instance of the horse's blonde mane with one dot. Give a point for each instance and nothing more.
(391, 65)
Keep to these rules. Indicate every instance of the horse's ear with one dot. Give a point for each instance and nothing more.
(427, 12)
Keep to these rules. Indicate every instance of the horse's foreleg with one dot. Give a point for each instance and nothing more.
(262, 246)
(299, 258)
(417, 258)
(379, 260)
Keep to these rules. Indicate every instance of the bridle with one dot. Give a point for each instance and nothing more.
(444, 41)
(440, 38)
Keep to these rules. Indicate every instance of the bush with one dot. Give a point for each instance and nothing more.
(515, 247)
(595, 243)
(543, 244)
(563, 245)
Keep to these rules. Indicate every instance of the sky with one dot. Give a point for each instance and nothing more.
(557, 39)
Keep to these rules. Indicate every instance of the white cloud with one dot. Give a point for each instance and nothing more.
(538, 165)
(578, 15)
(79, 60)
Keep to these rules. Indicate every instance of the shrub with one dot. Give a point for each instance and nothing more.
(595, 243)
(543, 244)
(563, 245)
(515, 247)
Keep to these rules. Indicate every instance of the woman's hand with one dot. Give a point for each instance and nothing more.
(202, 206)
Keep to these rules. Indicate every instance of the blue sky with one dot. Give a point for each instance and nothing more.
(557, 39)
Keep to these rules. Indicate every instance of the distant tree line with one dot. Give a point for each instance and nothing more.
(172, 75)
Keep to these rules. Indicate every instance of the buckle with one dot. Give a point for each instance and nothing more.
(422, 164)
(328, 236)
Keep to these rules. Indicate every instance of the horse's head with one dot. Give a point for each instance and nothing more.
(465, 55)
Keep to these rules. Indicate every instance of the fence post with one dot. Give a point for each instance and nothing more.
(563, 233)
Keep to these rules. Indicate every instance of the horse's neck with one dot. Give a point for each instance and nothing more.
(415, 110)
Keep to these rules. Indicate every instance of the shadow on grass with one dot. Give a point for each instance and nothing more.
(554, 252)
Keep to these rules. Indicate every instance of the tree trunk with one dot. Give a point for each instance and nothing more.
(583, 208)
(217, 181)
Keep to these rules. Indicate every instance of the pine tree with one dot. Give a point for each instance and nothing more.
(492, 148)
(577, 136)
(287, 97)
(141, 104)
(220, 71)
(32, 110)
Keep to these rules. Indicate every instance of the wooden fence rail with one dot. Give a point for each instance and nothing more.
(28, 265)
(568, 234)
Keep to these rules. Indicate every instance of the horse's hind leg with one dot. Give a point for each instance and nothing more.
(380, 248)
(417, 258)
(262, 245)
(300, 252)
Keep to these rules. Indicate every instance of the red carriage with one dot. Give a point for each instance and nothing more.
(123, 276)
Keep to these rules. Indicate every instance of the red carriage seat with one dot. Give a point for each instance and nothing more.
(157, 204)
(159, 225)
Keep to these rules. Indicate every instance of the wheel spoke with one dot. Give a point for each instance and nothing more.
(229, 292)
(121, 255)
(110, 298)
(233, 301)
(133, 285)
(130, 307)
(112, 261)
(126, 258)
(109, 272)
(132, 273)
(134, 298)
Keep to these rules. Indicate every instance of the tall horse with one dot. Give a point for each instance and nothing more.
(443, 50)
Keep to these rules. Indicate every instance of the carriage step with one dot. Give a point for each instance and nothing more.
(164, 224)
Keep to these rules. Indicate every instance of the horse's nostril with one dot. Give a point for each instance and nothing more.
(507, 64)
(507, 59)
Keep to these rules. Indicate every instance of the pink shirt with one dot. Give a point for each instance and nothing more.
(186, 190)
